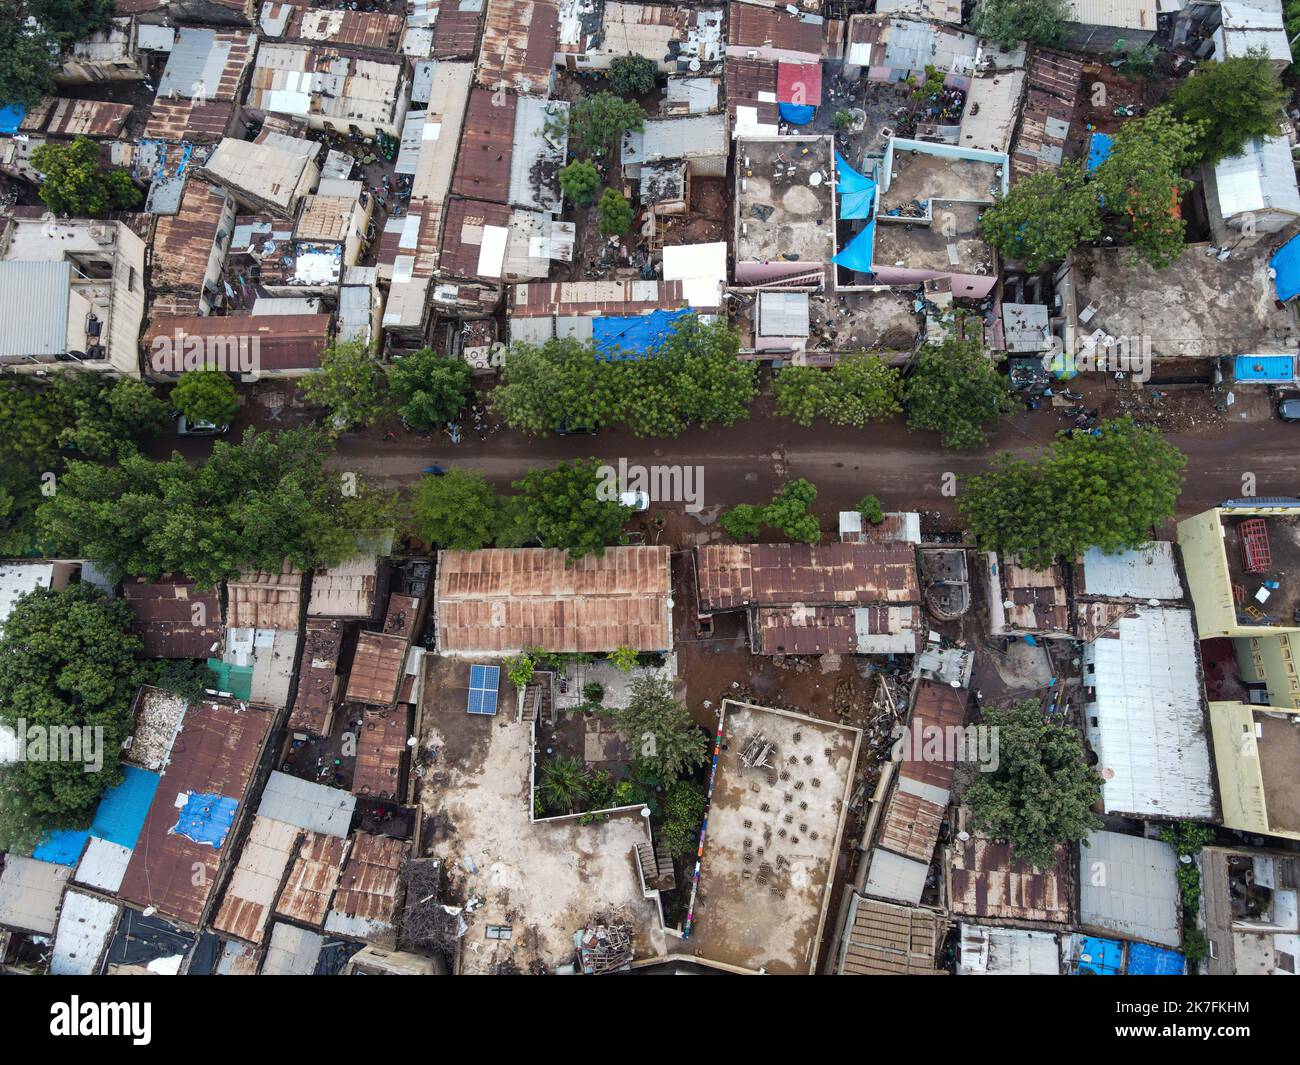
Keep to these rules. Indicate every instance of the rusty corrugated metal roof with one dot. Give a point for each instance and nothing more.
(284, 341)
(794, 630)
(183, 242)
(732, 576)
(751, 26)
(312, 878)
(186, 120)
(368, 887)
(936, 706)
(376, 669)
(354, 29)
(911, 826)
(507, 600)
(62, 117)
(462, 237)
(986, 880)
(455, 33)
(883, 939)
(1037, 596)
(593, 298)
(380, 746)
(174, 617)
(317, 676)
(486, 147)
(260, 600)
(520, 39)
(215, 752)
(256, 879)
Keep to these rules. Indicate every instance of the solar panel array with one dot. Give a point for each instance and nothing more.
(483, 684)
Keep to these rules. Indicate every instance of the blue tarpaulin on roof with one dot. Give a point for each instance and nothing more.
(848, 179)
(206, 818)
(11, 117)
(1146, 960)
(858, 204)
(1099, 145)
(857, 253)
(123, 809)
(1285, 265)
(631, 336)
(62, 846)
(1100, 957)
(797, 114)
(857, 192)
(1264, 369)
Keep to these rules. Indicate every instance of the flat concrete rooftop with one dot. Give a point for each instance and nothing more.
(920, 246)
(784, 199)
(919, 176)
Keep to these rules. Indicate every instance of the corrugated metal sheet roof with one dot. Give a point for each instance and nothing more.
(34, 308)
(1008, 952)
(882, 939)
(911, 826)
(307, 805)
(30, 892)
(486, 147)
(538, 154)
(737, 575)
(985, 879)
(312, 878)
(1123, 14)
(891, 876)
(261, 600)
(1147, 572)
(506, 600)
(376, 669)
(381, 744)
(317, 677)
(174, 617)
(1261, 177)
(85, 928)
(255, 883)
(292, 951)
(1128, 885)
(365, 904)
(520, 39)
(1149, 709)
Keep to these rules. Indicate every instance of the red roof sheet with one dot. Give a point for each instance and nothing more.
(799, 83)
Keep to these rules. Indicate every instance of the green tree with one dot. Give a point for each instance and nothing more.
(624, 658)
(788, 512)
(801, 393)
(864, 388)
(519, 669)
(556, 385)
(74, 185)
(743, 521)
(957, 391)
(1008, 22)
(632, 75)
(561, 507)
(100, 416)
(870, 509)
(1044, 217)
(1107, 490)
(67, 659)
(683, 815)
(597, 121)
(659, 727)
(563, 784)
(206, 396)
(1041, 791)
(349, 384)
(249, 505)
(1231, 103)
(29, 58)
(614, 212)
(457, 510)
(72, 20)
(429, 389)
(579, 181)
(1141, 183)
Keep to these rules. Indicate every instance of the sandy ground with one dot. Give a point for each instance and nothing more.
(544, 880)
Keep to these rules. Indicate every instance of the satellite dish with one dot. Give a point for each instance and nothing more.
(815, 179)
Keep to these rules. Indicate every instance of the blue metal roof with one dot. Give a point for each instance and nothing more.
(1272, 369)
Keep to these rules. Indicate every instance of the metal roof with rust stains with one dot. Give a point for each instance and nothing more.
(312, 878)
(911, 826)
(985, 879)
(351, 29)
(317, 676)
(486, 147)
(1045, 118)
(462, 239)
(256, 879)
(381, 743)
(183, 243)
(174, 617)
(593, 299)
(188, 120)
(936, 707)
(61, 117)
(284, 342)
(501, 601)
(366, 900)
(376, 669)
(520, 40)
(776, 30)
(732, 576)
(1038, 598)
(215, 752)
(799, 630)
(257, 599)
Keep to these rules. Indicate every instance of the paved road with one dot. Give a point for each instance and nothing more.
(745, 463)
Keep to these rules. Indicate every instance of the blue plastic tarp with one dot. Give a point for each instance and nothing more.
(1100, 957)
(1099, 145)
(62, 846)
(123, 809)
(1146, 960)
(11, 117)
(796, 114)
(848, 179)
(633, 336)
(857, 253)
(1285, 265)
(858, 204)
(1264, 369)
(206, 818)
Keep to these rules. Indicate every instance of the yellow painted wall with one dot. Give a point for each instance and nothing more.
(1236, 756)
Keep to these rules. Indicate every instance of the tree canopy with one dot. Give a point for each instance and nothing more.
(659, 728)
(1041, 792)
(29, 58)
(457, 510)
(579, 181)
(597, 121)
(561, 507)
(858, 389)
(632, 75)
(206, 396)
(693, 378)
(72, 20)
(74, 185)
(1008, 22)
(1106, 490)
(957, 391)
(349, 384)
(614, 213)
(249, 505)
(67, 659)
(429, 389)
(1231, 103)
(1044, 217)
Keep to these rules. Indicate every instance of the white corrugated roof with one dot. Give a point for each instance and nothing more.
(34, 308)
(293, 951)
(1126, 14)
(85, 927)
(1128, 885)
(895, 877)
(307, 805)
(1149, 711)
(103, 865)
(1146, 572)
(1008, 951)
(30, 892)
(1261, 177)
